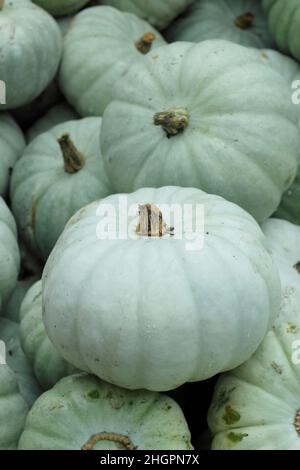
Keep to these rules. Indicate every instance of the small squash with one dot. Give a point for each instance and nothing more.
(100, 47)
(46, 181)
(13, 410)
(61, 7)
(83, 413)
(160, 323)
(31, 46)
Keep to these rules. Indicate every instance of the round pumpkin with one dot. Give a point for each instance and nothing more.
(31, 47)
(156, 12)
(17, 361)
(48, 365)
(284, 24)
(239, 21)
(60, 113)
(256, 406)
(140, 310)
(100, 47)
(83, 413)
(12, 144)
(61, 7)
(13, 410)
(9, 253)
(59, 172)
(194, 115)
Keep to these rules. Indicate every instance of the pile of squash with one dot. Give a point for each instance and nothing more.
(118, 330)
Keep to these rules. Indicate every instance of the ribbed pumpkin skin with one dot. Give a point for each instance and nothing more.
(44, 196)
(99, 49)
(13, 410)
(31, 46)
(157, 12)
(215, 19)
(163, 325)
(12, 144)
(49, 367)
(236, 135)
(61, 7)
(284, 24)
(81, 406)
(255, 406)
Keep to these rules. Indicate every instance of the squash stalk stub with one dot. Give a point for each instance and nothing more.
(144, 44)
(108, 436)
(73, 159)
(297, 422)
(173, 121)
(151, 222)
(244, 21)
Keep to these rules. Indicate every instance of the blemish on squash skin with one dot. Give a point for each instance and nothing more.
(223, 398)
(94, 394)
(236, 437)
(291, 328)
(277, 368)
(297, 267)
(33, 214)
(230, 415)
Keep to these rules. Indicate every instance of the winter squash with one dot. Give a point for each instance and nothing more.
(61, 112)
(156, 12)
(256, 406)
(284, 24)
(9, 253)
(101, 46)
(31, 46)
(13, 410)
(289, 208)
(239, 21)
(61, 7)
(46, 181)
(193, 115)
(133, 333)
(83, 413)
(16, 360)
(49, 367)
(12, 144)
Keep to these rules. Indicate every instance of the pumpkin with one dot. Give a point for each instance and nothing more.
(29, 388)
(159, 323)
(31, 46)
(239, 21)
(193, 115)
(284, 24)
(256, 406)
(49, 367)
(83, 413)
(45, 183)
(61, 7)
(61, 112)
(9, 253)
(156, 12)
(13, 410)
(102, 44)
(12, 144)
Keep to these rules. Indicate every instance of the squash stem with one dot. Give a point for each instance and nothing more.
(73, 159)
(244, 21)
(109, 436)
(144, 44)
(151, 222)
(173, 121)
(297, 422)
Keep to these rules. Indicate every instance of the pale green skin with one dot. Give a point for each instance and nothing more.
(157, 12)
(12, 144)
(17, 361)
(284, 24)
(237, 131)
(9, 253)
(160, 323)
(99, 49)
(44, 196)
(61, 7)
(49, 367)
(81, 405)
(264, 393)
(215, 19)
(13, 410)
(60, 113)
(31, 47)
